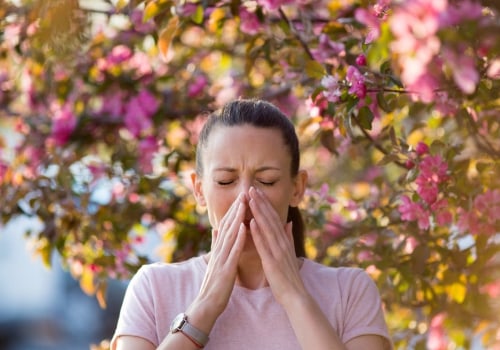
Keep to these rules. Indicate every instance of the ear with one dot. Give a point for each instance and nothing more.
(198, 189)
(299, 187)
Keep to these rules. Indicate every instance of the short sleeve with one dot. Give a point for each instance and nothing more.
(137, 317)
(363, 307)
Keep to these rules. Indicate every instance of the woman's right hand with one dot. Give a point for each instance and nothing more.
(227, 244)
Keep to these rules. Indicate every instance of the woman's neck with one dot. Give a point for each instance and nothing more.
(250, 272)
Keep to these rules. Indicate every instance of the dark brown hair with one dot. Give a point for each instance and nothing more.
(260, 114)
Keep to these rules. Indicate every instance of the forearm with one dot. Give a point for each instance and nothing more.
(311, 327)
(200, 314)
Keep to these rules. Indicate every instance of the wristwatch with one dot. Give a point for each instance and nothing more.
(181, 324)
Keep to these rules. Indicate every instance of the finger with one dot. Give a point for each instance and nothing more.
(239, 243)
(268, 220)
(228, 219)
(260, 243)
(232, 229)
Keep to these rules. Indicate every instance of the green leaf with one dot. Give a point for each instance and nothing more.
(314, 69)
(197, 17)
(365, 118)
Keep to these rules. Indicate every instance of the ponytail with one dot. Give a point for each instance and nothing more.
(297, 230)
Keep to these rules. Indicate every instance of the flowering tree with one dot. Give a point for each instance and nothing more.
(396, 104)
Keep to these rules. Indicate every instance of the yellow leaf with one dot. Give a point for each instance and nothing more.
(216, 15)
(150, 11)
(167, 35)
(101, 294)
(87, 281)
(121, 4)
(457, 292)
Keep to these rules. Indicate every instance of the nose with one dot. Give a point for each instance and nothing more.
(245, 185)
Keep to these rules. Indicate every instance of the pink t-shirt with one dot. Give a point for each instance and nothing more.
(253, 319)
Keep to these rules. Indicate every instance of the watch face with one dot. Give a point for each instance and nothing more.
(177, 323)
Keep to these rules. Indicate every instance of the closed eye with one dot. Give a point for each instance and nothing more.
(267, 183)
(225, 183)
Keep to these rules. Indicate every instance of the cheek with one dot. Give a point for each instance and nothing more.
(218, 203)
(279, 199)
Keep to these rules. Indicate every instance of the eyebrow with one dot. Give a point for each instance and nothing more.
(261, 169)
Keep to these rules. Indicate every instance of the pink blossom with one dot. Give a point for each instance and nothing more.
(441, 212)
(492, 289)
(411, 211)
(113, 104)
(327, 49)
(198, 85)
(137, 19)
(422, 148)
(272, 5)
(444, 104)
(409, 164)
(427, 190)
(250, 23)
(331, 84)
(410, 244)
(460, 11)
(484, 216)
(493, 71)
(369, 239)
(463, 69)
(188, 9)
(415, 25)
(136, 118)
(147, 149)
(141, 63)
(148, 101)
(335, 227)
(434, 168)
(372, 18)
(118, 54)
(63, 124)
(365, 255)
(357, 81)
(437, 339)
(361, 60)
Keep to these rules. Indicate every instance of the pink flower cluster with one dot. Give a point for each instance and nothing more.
(332, 88)
(273, 5)
(64, 122)
(372, 18)
(433, 171)
(249, 22)
(437, 338)
(356, 81)
(122, 58)
(327, 49)
(415, 26)
(484, 216)
(137, 111)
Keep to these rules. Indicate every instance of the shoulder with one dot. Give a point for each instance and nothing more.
(346, 281)
(341, 274)
(160, 272)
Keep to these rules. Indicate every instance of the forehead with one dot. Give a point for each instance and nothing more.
(245, 143)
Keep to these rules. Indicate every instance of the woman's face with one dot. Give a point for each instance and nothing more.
(238, 157)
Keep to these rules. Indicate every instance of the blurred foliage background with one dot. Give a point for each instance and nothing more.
(396, 104)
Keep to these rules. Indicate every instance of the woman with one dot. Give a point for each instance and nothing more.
(254, 289)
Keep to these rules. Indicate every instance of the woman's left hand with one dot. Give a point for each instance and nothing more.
(274, 243)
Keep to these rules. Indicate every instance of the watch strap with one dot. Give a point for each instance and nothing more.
(181, 324)
(194, 334)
